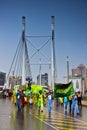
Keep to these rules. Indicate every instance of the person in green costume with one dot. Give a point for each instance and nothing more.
(40, 99)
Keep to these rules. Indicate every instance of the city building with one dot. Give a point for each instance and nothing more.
(2, 78)
(81, 71)
(43, 78)
(78, 78)
(38, 79)
(14, 80)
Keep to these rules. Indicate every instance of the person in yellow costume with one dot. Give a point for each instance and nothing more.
(14, 97)
(40, 99)
(61, 100)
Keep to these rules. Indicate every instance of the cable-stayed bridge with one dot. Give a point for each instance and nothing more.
(34, 56)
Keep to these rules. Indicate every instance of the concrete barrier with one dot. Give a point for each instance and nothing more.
(84, 103)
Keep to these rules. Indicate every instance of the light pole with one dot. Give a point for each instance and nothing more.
(40, 71)
(82, 80)
(23, 56)
(81, 75)
(53, 65)
(67, 60)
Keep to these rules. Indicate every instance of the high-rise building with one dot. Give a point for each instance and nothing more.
(38, 79)
(2, 78)
(81, 71)
(44, 79)
(14, 80)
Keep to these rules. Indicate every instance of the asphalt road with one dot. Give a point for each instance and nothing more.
(30, 119)
(12, 119)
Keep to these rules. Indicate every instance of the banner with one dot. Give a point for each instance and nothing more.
(62, 90)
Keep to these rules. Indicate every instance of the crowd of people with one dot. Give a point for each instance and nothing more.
(41, 99)
(71, 104)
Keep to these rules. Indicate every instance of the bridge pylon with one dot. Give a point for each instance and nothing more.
(22, 62)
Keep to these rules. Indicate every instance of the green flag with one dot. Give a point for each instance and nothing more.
(62, 90)
(35, 88)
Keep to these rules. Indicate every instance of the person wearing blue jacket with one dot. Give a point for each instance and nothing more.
(18, 100)
(74, 105)
(49, 102)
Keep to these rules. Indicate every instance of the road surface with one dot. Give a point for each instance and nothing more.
(30, 119)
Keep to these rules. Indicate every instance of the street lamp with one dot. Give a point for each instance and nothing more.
(67, 60)
(40, 71)
(81, 80)
(81, 74)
